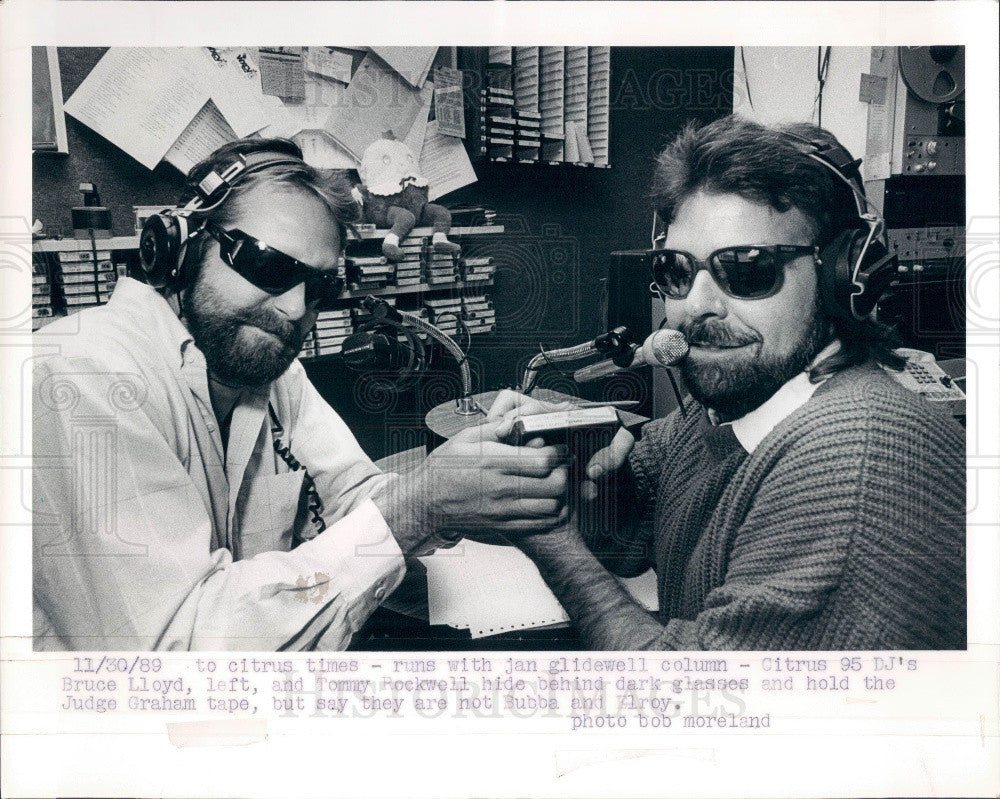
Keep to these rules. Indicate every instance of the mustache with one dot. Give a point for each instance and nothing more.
(714, 333)
(289, 332)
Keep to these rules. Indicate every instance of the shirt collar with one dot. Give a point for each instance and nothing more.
(150, 311)
(752, 428)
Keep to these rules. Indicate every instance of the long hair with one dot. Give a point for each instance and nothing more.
(733, 155)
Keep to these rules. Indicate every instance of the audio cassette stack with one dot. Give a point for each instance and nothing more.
(409, 270)
(308, 346)
(332, 327)
(478, 314)
(85, 278)
(478, 269)
(445, 313)
(440, 268)
(365, 273)
(41, 291)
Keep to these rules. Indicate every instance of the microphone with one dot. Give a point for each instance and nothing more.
(369, 349)
(661, 348)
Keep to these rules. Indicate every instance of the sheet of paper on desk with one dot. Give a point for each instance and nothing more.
(445, 163)
(141, 99)
(490, 589)
(207, 132)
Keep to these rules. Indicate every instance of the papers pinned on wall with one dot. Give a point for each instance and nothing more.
(152, 101)
(449, 105)
(204, 135)
(236, 92)
(142, 98)
(282, 74)
(377, 100)
(445, 163)
(180, 104)
(411, 63)
(329, 63)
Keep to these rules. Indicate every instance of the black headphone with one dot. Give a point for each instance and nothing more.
(165, 235)
(859, 264)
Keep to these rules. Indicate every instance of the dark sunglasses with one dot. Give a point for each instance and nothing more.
(271, 270)
(746, 273)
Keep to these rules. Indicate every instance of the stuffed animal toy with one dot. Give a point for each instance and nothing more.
(394, 195)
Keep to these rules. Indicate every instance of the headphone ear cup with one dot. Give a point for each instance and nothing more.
(838, 259)
(159, 248)
(875, 273)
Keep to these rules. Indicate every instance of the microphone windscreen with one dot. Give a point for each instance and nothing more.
(665, 347)
(371, 350)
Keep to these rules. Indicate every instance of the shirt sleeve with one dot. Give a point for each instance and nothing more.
(122, 540)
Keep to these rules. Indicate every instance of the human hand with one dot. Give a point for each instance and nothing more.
(475, 482)
(509, 405)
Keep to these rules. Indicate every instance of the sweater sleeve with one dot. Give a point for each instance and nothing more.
(623, 543)
(854, 539)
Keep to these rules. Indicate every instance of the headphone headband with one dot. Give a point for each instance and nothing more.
(859, 264)
(214, 189)
(164, 237)
(846, 169)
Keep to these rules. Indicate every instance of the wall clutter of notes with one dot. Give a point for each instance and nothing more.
(177, 105)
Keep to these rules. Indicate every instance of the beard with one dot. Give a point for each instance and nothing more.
(734, 386)
(236, 351)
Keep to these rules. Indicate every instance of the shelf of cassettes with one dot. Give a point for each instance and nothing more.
(416, 288)
(132, 242)
(81, 245)
(500, 159)
(418, 232)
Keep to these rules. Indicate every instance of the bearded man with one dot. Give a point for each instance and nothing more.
(802, 499)
(192, 490)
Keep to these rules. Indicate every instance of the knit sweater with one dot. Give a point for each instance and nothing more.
(844, 529)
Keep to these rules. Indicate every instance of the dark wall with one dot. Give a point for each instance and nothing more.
(562, 222)
(121, 180)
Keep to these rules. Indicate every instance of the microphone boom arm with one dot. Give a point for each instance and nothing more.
(465, 405)
(610, 343)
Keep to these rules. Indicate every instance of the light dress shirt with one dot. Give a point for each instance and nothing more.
(149, 534)
(752, 428)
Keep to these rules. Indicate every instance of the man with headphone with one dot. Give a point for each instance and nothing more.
(192, 490)
(801, 499)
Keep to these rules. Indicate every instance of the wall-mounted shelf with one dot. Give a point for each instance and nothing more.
(416, 288)
(419, 232)
(80, 245)
(123, 244)
(132, 242)
(539, 105)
